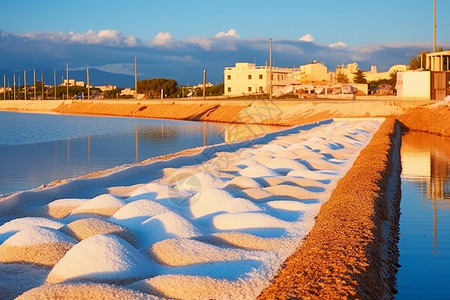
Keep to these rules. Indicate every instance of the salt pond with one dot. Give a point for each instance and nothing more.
(36, 149)
(425, 218)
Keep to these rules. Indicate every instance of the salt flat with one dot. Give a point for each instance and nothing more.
(217, 224)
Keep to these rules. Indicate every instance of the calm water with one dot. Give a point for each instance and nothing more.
(425, 220)
(36, 149)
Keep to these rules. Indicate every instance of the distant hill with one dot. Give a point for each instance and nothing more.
(97, 77)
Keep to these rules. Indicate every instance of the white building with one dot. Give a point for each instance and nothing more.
(312, 72)
(372, 75)
(247, 78)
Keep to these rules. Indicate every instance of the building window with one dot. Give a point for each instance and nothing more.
(229, 90)
(249, 77)
(249, 88)
(260, 76)
(229, 77)
(260, 89)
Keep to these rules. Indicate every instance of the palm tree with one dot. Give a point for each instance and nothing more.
(359, 76)
(418, 62)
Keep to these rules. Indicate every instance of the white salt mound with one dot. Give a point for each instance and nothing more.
(136, 212)
(104, 205)
(242, 182)
(84, 291)
(38, 235)
(87, 227)
(213, 200)
(182, 251)
(62, 207)
(103, 258)
(164, 226)
(236, 221)
(190, 287)
(281, 164)
(36, 245)
(13, 226)
(151, 190)
(257, 171)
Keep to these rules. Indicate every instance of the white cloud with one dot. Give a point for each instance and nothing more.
(307, 38)
(105, 36)
(202, 42)
(338, 45)
(230, 33)
(164, 39)
(117, 68)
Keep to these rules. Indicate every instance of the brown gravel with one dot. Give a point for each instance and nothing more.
(343, 255)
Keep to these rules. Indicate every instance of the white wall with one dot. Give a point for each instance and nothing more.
(414, 85)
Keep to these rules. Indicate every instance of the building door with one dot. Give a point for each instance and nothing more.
(440, 85)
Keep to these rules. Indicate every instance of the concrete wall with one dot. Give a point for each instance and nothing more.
(414, 85)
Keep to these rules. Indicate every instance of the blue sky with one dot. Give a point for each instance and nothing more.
(178, 39)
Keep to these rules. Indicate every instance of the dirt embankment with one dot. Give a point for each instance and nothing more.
(431, 118)
(351, 251)
(277, 112)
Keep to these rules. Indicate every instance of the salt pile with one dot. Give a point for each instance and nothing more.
(218, 224)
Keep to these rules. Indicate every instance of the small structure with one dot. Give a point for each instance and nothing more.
(372, 75)
(104, 88)
(438, 61)
(311, 72)
(432, 83)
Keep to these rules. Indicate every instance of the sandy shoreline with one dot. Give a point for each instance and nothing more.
(426, 116)
(354, 266)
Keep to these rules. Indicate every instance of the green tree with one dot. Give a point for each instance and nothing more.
(341, 78)
(359, 76)
(152, 87)
(111, 94)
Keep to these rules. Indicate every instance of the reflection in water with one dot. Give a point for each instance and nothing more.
(425, 217)
(70, 146)
(426, 158)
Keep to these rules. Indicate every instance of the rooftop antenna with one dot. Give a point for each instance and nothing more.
(34, 83)
(54, 80)
(25, 83)
(135, 78)
(67, 83)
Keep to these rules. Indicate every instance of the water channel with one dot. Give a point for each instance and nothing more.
(36, 149)
(425, 218)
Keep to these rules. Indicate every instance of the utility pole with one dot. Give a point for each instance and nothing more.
(88, 84)
(34, 83)
(54, 81)
(14, 85)
(25, 83)
(135, 78)
(4, 87)
(270, 70)
(434, 27)
(42, 85)
(67, 78)
(204, 84)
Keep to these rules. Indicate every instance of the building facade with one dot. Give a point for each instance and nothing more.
(247, 78)
(372, 75)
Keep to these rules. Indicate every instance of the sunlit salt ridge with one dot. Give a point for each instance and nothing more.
(217, 224)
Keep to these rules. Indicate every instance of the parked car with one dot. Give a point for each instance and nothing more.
(78, 96)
